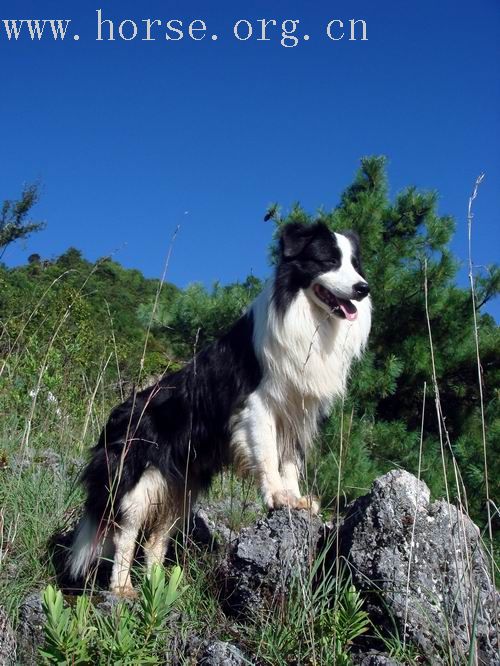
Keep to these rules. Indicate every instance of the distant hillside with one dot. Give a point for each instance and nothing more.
(83, 316)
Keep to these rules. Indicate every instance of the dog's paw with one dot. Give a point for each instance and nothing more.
(281, 499)
(286, 498)
(308, 503)
(124, 592)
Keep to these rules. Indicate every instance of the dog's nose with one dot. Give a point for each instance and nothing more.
(361, 289)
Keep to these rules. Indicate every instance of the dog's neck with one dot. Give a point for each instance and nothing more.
(306, 347)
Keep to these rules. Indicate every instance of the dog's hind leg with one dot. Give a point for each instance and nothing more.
(155, 546)
(137, 508)
(125, 540)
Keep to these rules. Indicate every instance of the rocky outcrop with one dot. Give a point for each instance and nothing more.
(7, 641)
(30, 630)
(215, 523)
(374, 658)
(265, 556)
(423, 570)
(419, 565)
(221, 653)
(206, 652)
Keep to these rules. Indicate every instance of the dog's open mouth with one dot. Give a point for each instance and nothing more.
(340, 307)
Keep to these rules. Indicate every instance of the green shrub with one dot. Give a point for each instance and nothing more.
(317, 623)
(130, 635)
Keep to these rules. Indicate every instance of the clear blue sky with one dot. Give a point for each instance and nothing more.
(127, 136)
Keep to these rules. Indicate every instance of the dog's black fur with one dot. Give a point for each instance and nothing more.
(180, 425)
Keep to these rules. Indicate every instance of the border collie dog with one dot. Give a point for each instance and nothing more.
(253, 398)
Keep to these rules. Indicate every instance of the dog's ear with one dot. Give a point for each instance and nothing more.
(294, 238)
(354, 239)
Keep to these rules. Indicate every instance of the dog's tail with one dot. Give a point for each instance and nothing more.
(91, 538)
(85, 546)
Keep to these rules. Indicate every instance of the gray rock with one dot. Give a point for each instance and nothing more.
(221, 653)
(44, 460)
(216, 523)
(193, 649)
(105, 601)
(435, 600)
(7, 641)
(30, 630)
(204, 530)
(374, 658)
(262, 561)
(190, 645)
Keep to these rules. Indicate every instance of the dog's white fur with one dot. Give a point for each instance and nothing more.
(306, 358)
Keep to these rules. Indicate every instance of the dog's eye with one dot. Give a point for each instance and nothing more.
(328, 265)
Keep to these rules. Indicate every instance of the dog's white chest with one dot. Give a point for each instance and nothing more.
(307, 352)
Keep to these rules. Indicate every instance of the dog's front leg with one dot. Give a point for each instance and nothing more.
(290, 477)
(263, 444)
(258, 428)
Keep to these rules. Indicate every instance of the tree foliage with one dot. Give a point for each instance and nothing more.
(14, 218)
(68, 319)
(195, 316)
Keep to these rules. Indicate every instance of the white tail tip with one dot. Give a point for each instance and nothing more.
(84, 548)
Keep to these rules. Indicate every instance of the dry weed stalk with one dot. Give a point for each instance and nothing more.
(470, 217)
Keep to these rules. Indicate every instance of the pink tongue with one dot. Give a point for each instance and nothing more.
(349, 309)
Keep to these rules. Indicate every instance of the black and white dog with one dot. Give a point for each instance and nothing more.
(253, 398)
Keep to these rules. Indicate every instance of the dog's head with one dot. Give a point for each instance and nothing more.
(326, 265)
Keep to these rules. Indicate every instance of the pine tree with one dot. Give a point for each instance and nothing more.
(195, 316)
(404, 243)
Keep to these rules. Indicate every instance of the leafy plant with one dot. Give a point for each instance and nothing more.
(129, 635)
(339, 627)
(157, 599)
(318, 622)
(68, 636)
